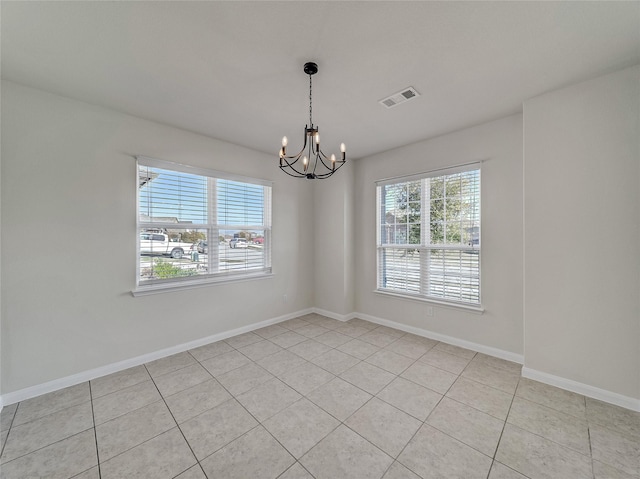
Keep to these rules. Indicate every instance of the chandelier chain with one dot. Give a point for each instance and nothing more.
(310, 103)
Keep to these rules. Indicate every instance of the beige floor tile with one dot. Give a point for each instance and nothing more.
(293, 324)
(430, 377)
(268, 399)
(312, 330)
(92, 473)
(280, 363)
(384, 425)
(217, 427)
(500, 471)
(484, 398)
(255, 455)
(194, 472)
(333, 339)
(296, 472)
(443, 360)
(396, 333)
(535, 456)
(60, 460)
(368, 377)
(260, 350)
(164, 456)
(47, 430)
(242, 340)
(3, 438)
(211, 350)
(339, 398)
(288, 339)
(335, 361)
(7, 415)
(326, 322)
(345, 454)
(185, 378)
(362, 323)
(605, 471)
(270, 331)
(118, 381)
(244, 378)
(559, 427)
(389, 361)
(170, 364)
(433, 454)
(306, 377)
(553, 397)
(468, 425)
(414, 338)
(126, 400)
(309, 349)
(352, 330)
(358, 349)
(398, 471)
(193, 401)
(410, 397)
(41, 406)
(411, 349)
(491, 375)
(615, 449)
(378, 338)
(613, 417)
(455, 350)
(136, 427)
(225, 362)
(300, 426)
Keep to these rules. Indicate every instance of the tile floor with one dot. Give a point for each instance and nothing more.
(316, 398)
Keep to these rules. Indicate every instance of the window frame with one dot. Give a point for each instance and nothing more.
(212, 226)
(425, 242)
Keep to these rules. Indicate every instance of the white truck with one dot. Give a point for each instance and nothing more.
(159, 243)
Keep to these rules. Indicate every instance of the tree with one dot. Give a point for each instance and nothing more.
(192, 236)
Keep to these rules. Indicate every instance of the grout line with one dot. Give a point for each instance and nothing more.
(504, 425)
(95, 432)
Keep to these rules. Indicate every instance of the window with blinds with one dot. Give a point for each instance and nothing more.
(197, 225)
(428, 239)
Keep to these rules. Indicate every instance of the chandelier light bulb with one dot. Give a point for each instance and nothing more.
(284, 141)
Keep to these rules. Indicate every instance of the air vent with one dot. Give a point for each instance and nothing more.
(400, 97)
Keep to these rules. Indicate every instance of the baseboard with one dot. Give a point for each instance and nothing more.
(332, 315)
(57, 384)
(581, 388)
(481, 348)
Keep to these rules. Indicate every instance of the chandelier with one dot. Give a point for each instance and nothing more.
(310, 162)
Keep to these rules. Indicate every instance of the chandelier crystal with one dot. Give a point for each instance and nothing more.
(310, 162)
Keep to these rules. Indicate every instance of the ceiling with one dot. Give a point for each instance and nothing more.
(233, 70)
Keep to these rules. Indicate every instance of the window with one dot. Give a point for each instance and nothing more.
(199, 226)
(429, 236)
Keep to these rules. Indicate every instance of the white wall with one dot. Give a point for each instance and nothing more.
(334, 242)
(582, 233)
(499, 143)
(69, 233)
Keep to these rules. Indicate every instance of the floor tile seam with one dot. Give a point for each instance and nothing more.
(305, 453)
(177, 425)
(492, 457)
(593, 471)
(533, 400)
(396, 374)
(504, 425)
(475, 408)
(93, 397)
(207, 371)
(512, 394)
(426, 387)
(95, 432)
(408, 413)
(8, 431)
(13, 425)
(508, 467)
(300, 464)
(617, 431)
(367, 440)
(2, 463)
(552, 440)
(553, 410)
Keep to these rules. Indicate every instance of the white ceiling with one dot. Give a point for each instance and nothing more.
(233, 70)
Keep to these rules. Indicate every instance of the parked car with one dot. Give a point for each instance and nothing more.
(238, 243)
(159, 243)
(203, 247)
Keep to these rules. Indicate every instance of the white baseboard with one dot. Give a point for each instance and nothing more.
(581, 388)
(481, 348)
(56, 384)
(332, 315)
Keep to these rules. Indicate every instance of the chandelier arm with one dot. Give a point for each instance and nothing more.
(321, 176)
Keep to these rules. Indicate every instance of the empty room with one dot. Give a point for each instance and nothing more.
(319, 239)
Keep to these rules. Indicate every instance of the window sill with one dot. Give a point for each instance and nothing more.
(444, 304)
(171, 287)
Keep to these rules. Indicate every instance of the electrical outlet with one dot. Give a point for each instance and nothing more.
(429, 310)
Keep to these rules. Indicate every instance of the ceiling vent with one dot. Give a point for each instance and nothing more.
(408, 93)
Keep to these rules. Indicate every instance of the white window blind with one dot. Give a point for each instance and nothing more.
(428, 238)
(197, 225)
